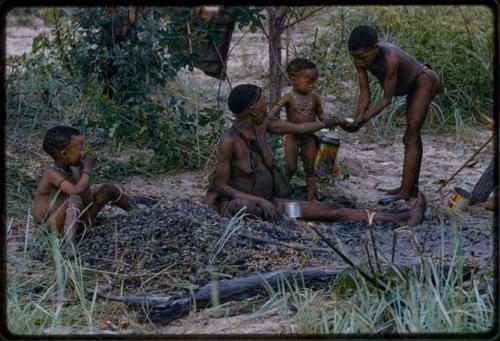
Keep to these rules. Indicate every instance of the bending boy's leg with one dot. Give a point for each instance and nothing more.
(291, 155)
(308, 154)
(418, 104)
(108, 193)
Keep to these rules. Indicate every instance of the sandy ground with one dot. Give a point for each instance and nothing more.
(372, 166)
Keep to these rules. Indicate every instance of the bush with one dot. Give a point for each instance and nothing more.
(101, 69)
(457, 41)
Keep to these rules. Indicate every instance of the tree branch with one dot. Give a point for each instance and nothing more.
(304, 17)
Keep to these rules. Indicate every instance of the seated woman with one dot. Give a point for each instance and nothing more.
(243, 174)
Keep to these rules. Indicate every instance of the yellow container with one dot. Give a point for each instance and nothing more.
(460, 198)
(324, 164)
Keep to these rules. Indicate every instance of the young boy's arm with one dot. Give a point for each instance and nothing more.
(319, 108)
(274, 113)
(66, 186)
(390, 80)
(364, 93)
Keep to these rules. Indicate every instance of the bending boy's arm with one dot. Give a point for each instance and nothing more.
(274, 113)
(223, 171)
(364, 94)
(319, 109)
(390, 80)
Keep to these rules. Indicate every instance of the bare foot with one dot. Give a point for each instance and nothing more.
(396, 194)
(393, 191)
(320, 196)
(417, 212)
(490, 204)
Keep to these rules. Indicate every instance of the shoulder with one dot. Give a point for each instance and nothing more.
(48, 175)
(227, 140)
(285, 99)
(49, 178)
(390, 52)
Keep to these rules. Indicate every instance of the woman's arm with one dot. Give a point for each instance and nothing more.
(274, 113)
(282, 127)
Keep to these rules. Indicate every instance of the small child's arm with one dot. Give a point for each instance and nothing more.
(319, 108)
(274, 113)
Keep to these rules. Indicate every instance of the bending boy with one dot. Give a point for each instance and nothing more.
(399, 74)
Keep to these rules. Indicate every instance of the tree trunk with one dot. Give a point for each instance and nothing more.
(276, 24)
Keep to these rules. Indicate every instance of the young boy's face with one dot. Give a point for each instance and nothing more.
(363, 57)
(303, 80)
(74, 151)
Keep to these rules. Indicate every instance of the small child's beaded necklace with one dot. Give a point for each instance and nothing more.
(303, 103)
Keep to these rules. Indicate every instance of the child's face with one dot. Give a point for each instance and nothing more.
(258, 110)
(363, 57)
(303, 80)
(73, 152)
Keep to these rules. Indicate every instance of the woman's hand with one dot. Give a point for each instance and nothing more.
(270, 211)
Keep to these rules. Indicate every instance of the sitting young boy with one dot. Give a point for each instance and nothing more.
(399, 74)
(301, 105)
(63, 200)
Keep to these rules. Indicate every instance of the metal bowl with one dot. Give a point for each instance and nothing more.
(292, 210)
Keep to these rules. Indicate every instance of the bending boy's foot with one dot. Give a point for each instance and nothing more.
(389, 199)
(320, 196)
(395, 195)
(417, 212)
(393, 191)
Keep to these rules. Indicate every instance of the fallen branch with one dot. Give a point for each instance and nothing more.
(165, 309)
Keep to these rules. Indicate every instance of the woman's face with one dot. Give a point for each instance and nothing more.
(258, 110)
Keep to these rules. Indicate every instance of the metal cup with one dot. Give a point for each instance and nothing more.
(292, 210)
(460, 197)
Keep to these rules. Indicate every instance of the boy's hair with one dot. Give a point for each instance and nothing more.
(299, 64)
(242, 97)
(57, 138)
(363, 36)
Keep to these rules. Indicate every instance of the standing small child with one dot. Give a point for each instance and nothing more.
(63, 200)
(301, 105)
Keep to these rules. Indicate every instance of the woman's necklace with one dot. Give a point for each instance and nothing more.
(303, 103)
